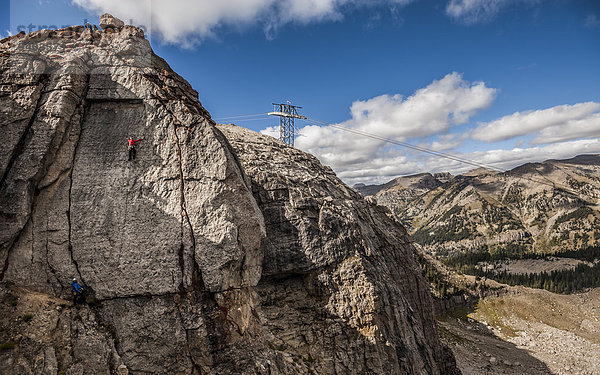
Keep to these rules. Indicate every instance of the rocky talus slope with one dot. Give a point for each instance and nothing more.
(539, 207)
(208, 254)
(513, 334)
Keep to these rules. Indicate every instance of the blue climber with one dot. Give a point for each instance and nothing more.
(77, 291)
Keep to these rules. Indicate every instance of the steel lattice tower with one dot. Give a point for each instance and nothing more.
(287, 113)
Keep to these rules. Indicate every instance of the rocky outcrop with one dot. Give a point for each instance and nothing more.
(107, 21)
(198, 256)
(337, 270)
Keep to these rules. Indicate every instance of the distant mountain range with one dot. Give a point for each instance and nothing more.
(537, 207)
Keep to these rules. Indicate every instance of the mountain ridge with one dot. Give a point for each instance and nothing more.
(541, 207)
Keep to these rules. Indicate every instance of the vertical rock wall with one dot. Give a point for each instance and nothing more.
(145, 235)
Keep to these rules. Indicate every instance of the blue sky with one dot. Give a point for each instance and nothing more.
(499, 82)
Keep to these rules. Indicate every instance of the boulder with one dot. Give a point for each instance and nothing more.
(108, 21)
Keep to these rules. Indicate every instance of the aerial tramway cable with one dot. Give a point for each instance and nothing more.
(240, 116)
(249, 119)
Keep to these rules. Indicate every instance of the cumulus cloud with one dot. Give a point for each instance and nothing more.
(506, 159)
(558, 123)
(430, 110)
(448, 141)
(273, 131)
(477, 11)
(188, 22)
(573, 129)
(472, 11)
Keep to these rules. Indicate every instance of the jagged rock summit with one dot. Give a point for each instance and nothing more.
(216, 251)
(107, 21)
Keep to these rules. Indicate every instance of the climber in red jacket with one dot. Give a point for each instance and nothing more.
(131, 147)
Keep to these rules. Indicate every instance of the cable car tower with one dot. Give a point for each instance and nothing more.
(287, 113)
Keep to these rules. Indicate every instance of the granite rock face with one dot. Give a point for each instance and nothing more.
(206, 254)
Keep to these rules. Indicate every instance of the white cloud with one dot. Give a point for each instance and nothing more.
(273, 131)
(430, 110)
(188, 22)
(477, 11)
(473, 11)
(574, 129)
(506, 159)
(448, 141)
(559, 123)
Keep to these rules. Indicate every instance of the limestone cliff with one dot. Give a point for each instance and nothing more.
(208, 254)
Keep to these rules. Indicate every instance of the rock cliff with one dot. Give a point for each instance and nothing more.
(216, 251)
